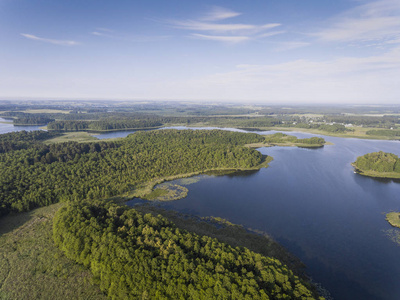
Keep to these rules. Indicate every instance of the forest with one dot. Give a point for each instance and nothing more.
(24, 139)
(136, 256)
(34, 174)
(380, 162)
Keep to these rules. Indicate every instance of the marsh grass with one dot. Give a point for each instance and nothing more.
(31, 267)
(393, 218)
(80, 137)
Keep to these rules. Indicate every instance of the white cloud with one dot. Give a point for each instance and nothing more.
(285, 46)
(225, 32)
(228, 39)
(371, 79)
(107, 33)
(51, 41)
(373, 21)
(219, 13)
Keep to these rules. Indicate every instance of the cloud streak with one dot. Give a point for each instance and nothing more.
(107, 33)
(373, 21)
(221, 38)
(51, 41)
(209, 28)
(347, 79)
(218, 13)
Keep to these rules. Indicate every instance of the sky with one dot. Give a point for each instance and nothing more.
(259, 51)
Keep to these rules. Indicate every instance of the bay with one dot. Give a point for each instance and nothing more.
(312, 202)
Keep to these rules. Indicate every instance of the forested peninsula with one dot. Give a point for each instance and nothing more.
(132, 255)
(37, 174)
(135, 256)
(378, 164)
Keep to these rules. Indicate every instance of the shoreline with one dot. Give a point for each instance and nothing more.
(146, 188)
(375, 174)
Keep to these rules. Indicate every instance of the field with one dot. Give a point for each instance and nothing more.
(80, 137)
(31, 267)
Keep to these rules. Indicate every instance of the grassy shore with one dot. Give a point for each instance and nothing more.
(393, 218)
(359, 132)
(287, 144)
(80, 137)
(375, 174)
(145, 189)
(31, 267)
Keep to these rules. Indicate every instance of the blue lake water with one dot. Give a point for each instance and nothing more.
(311, 202)
(9, 127)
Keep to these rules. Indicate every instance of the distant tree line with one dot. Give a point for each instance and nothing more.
(135, 256)
(103, 125)
(32, 119)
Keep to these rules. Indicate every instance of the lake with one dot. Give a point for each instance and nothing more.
(311, 202)
(9, 127)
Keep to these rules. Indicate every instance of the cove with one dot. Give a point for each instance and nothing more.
(312, 203)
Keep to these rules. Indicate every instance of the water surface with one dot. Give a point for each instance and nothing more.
(6, 126)
(312, 202)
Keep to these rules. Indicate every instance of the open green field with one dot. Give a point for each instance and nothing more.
(32, 267)
(46, 111)
(359, 132)
(80, 137)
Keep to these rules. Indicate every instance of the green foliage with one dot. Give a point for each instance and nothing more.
(284, 138)
(384, 132)
(32, 266)
(334, 128)
(103, 125)
(23, 139)
(31, 119)
(133, 255)
(379, 162)
(45, 174)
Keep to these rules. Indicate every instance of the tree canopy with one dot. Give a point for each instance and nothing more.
(136, 256)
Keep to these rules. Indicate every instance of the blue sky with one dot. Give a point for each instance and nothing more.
(259, 51)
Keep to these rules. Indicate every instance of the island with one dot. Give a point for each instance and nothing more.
(378, 164)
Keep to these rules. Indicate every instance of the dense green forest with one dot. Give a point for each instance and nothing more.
(23, 139)
(32, 119)
(135, 256)
(44, 174)
(103, 125)
(380, 162)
